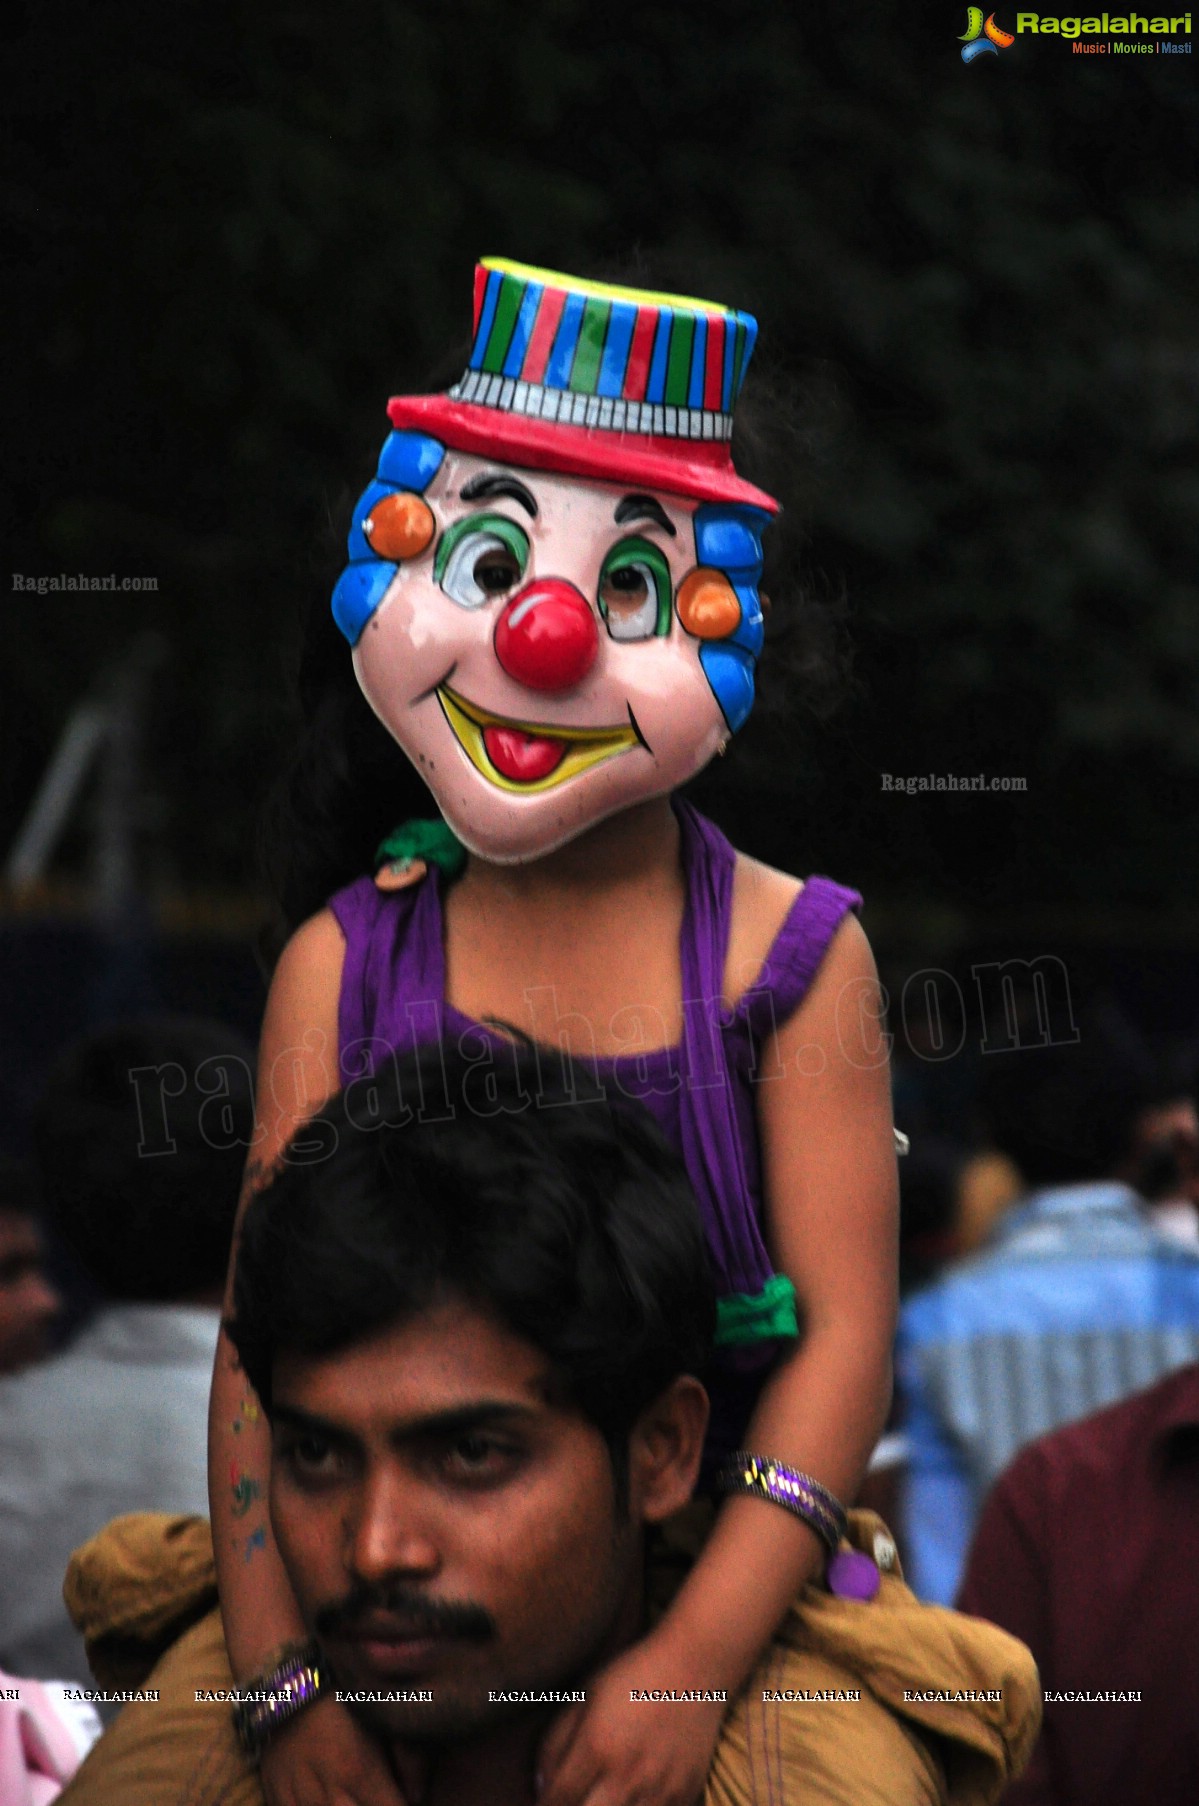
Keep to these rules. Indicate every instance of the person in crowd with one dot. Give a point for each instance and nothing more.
(44, 1735)
(988, 1184)
(1164, 1164)
(929, 1181)
(29, 1299)
(1076, 1300)
(1083, 1550)
(140, 1139)
(553, 613)
(475, 1309)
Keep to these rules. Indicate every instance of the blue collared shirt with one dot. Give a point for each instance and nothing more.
(1075, 1302)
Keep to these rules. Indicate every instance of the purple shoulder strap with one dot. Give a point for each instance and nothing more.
(711, 1134)
(393, 979)
(797, 949)
(796, 953)
(712, 1131)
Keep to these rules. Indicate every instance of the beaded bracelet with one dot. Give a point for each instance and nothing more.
(272, 1700)
(766, 1478)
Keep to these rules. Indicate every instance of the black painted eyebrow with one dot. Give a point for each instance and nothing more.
(290, 1417)
(478, 1415)
(489, 483)
(644, 507)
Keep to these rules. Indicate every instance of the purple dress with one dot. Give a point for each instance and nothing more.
(701, 1091)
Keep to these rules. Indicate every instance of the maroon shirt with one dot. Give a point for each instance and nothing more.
(1088, 1550)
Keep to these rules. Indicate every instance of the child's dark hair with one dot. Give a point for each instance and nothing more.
(564, 1217)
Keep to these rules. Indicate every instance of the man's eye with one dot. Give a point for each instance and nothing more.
(479, 1458)
(311, 1457)
(480, 558)
(635, 591)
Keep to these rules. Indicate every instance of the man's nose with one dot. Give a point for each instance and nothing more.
(546, 637)
(392, 1530)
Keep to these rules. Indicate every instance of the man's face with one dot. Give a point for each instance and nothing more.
(531, 660)
(445, 1524)
(28, 1301)
(1165, 1157)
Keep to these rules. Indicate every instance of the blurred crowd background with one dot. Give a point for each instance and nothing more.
(238, 229)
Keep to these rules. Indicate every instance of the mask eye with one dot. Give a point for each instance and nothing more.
(480, 558)
(482, 566)
(635, 591)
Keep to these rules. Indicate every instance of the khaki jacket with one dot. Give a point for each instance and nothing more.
(888, 1703)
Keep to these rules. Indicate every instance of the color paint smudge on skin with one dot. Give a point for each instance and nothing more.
(245, 1490)
(248, 1412)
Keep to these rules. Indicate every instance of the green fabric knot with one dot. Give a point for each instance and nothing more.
(758, 1316)
(433, 841)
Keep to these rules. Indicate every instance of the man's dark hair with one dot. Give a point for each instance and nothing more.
(20, 1193)
(563, 1215)
(140, 1140)
(1067, 1113)
(928, 1199)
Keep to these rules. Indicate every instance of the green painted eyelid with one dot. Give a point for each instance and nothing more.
(504, 529)
(642, 551)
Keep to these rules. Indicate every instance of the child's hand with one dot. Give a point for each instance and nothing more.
(326, 1758)
(615, 1751)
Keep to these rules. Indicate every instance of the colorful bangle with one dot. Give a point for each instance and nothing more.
(766, 1478)
(272, 1700)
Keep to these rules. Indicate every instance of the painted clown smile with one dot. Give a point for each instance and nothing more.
(528, 756)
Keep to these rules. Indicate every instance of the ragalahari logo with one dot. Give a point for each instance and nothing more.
(980, 36)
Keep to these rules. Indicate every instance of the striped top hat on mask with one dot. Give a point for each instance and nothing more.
(592, 380)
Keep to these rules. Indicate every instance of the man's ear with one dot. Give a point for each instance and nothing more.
(664, 1450)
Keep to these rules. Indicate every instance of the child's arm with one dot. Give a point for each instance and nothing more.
(830, 1181)
(322, 1755)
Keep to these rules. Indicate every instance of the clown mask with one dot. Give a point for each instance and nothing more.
(557, 620)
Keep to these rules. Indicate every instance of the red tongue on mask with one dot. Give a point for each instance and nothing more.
(522, 758)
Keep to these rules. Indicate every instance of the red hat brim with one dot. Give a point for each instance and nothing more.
(699, 468)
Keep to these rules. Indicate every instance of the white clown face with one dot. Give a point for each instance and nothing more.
(531, 660)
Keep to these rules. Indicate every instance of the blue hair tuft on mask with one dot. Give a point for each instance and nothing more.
(728, 538)
(408, 461)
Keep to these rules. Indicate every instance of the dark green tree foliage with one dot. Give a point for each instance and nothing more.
(240, 227)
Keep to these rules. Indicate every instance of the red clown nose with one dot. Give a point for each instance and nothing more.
(546, 637)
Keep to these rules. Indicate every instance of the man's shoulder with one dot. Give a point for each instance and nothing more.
(25, 1396)
(961, 1293)
(1051, 1255)
(1075, 1459)
(150, 1334)
(128, 1394)
(120, 1343)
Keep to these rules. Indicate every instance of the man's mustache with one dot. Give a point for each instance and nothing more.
(414, 1613)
